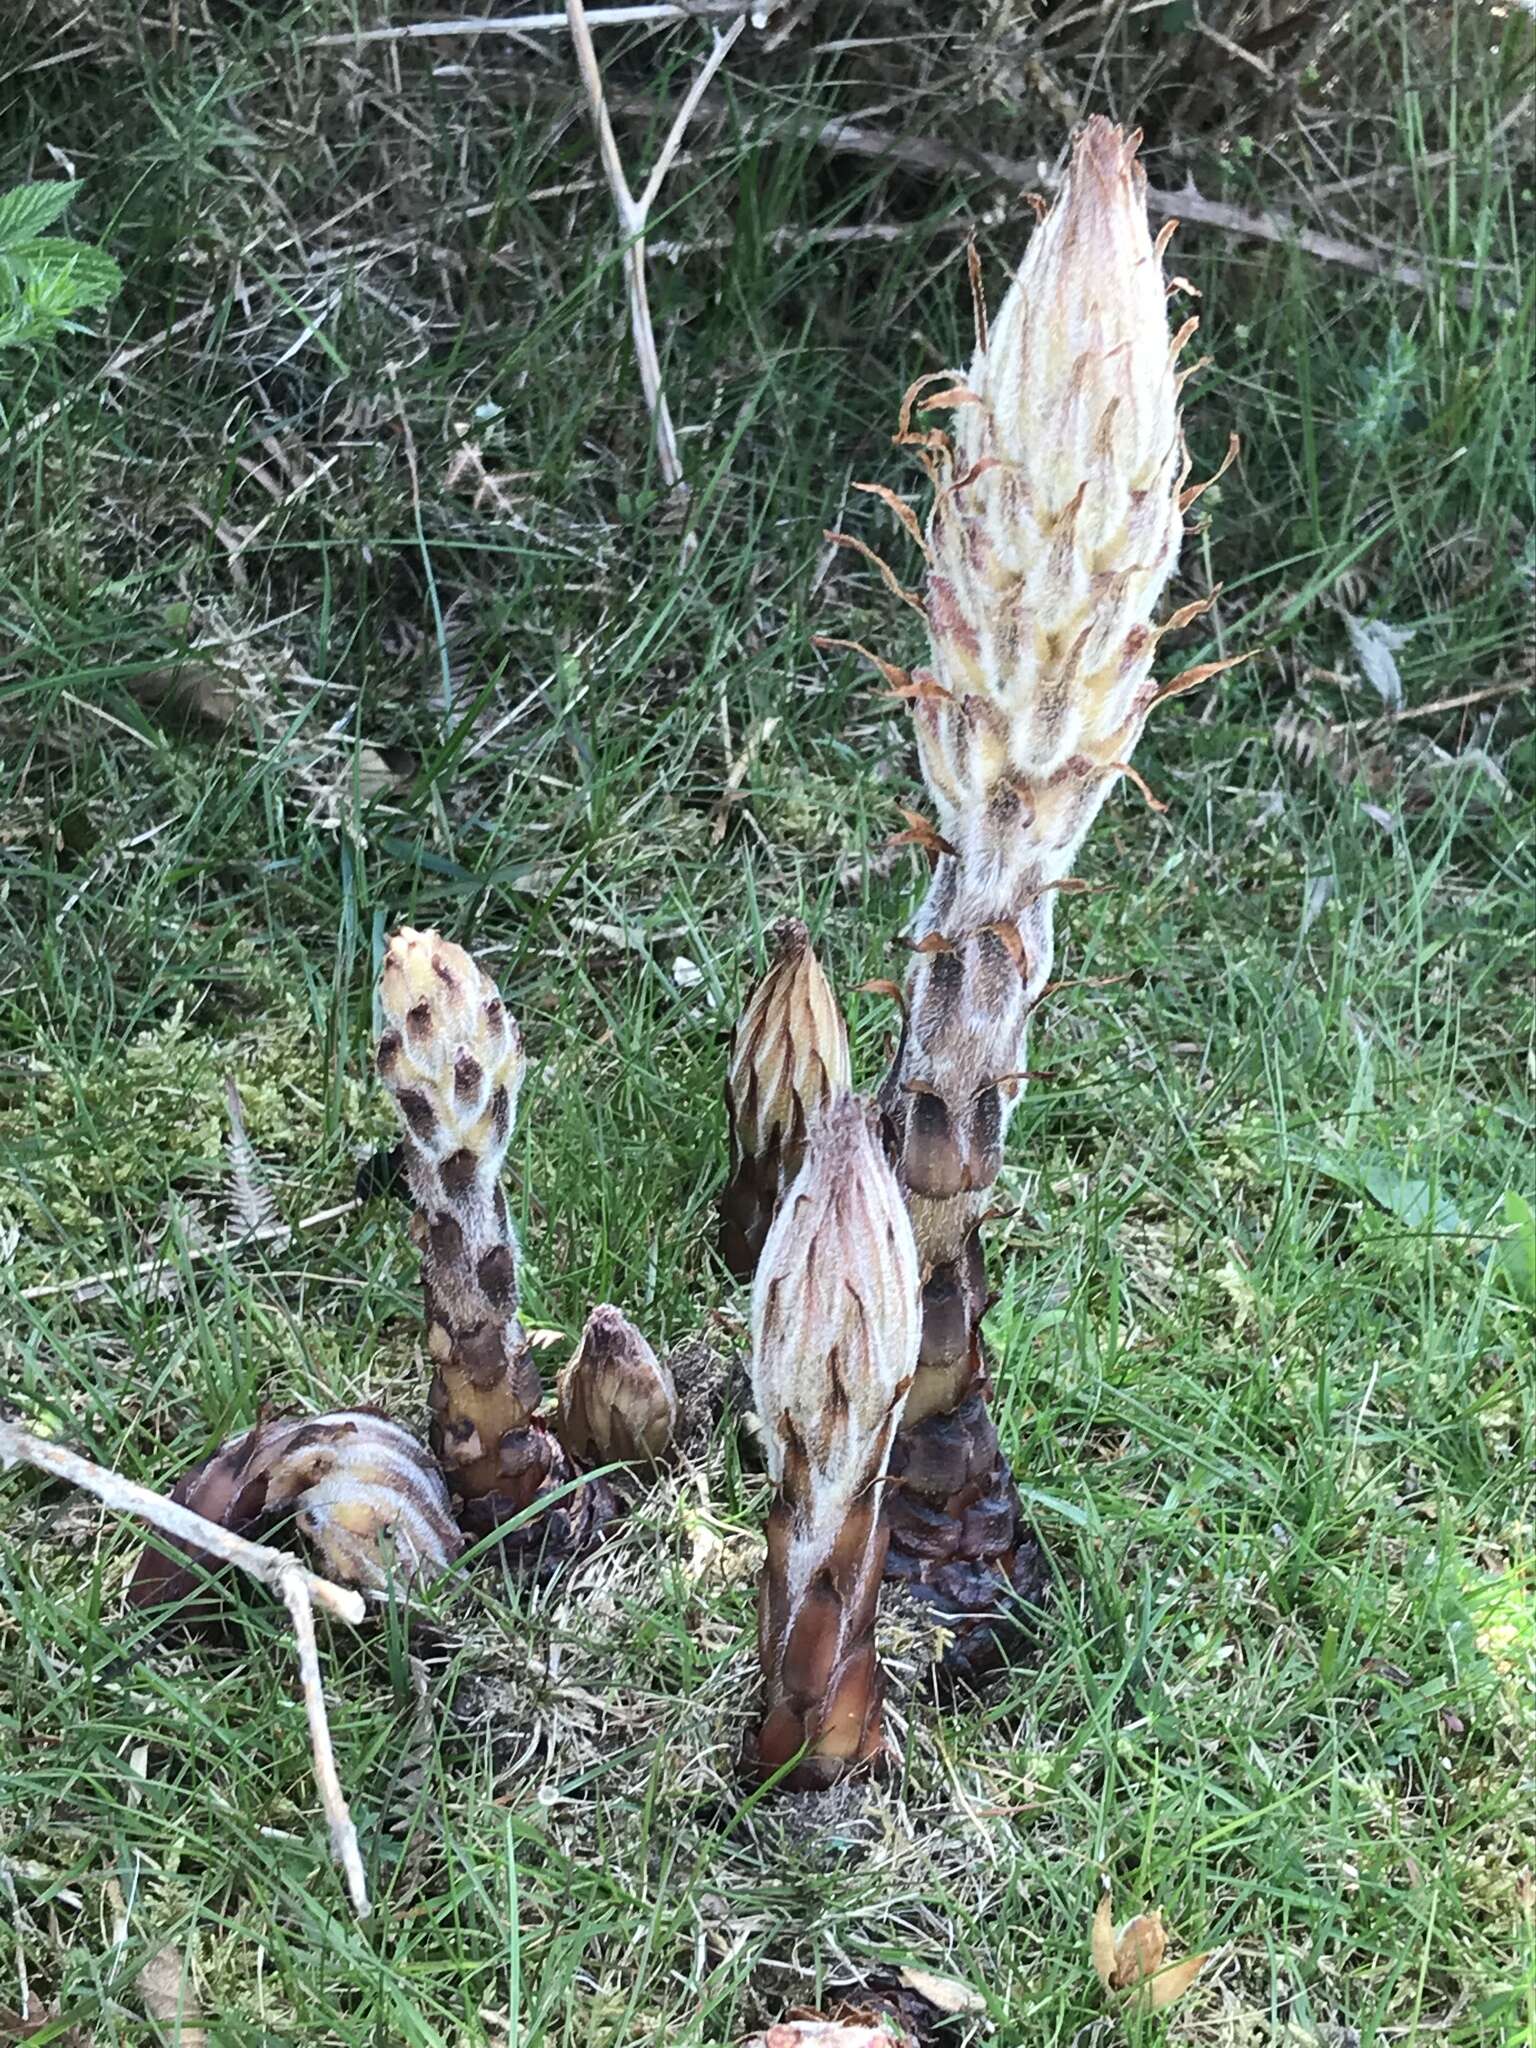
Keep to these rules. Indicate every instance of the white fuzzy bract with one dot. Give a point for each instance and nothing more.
(1056, 534)
(836, 1316)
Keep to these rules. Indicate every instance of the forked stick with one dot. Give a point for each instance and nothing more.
(299, 1589)
(634, 214)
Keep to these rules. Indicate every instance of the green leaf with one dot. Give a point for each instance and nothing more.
(74, 276)
(1413, 1202)
(1516, 1249)
(26, 210)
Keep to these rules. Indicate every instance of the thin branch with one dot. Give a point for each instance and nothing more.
(719, 51)
(298, 1588)
(338, 1815)
(532, 24)
(634, 214)
(1232, 49)
(847, 138)
(143, 1269)
(1435, 710)
(922, 153)
(607, 146)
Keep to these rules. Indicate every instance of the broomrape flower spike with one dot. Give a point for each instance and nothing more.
(789, 1056)
(452, 1058)
(1056, 523)
(835, 1321)
(363, 1493)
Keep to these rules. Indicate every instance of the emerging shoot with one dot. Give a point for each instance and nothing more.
(835, 1320)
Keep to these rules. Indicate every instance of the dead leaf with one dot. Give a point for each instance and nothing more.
(1139, 1951)
(821, 2034)
(947, 1993)
(21, 2026)
(1376, 643)
(1102, 1941)
(1132, 1959)
(169, 1999)
(193, 692)
(1168, 1985)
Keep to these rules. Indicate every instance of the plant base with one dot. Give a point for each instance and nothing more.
(957, 1542)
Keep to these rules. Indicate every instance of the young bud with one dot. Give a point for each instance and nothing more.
(835, 1324)
(789, 1056)
(361, 1490)
(617, 1401)
(451, 1057)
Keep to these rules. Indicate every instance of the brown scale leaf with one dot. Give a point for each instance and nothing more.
(891, 580)
(909, 398)
(921, 832)
(894, 674)
(1234, 448)
(1191, 678)
(903, 512)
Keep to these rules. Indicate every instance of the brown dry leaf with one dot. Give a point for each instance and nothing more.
(1102, 1941)
(1132, 1959)
(1168, 1985)
(21, 2026)
(820, 2034)
(194, 690)
(947, 1993)
(1139, 1950)
(169, 1999)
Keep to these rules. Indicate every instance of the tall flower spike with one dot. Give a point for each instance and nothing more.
(835, 1319)
(1055, 526)
(617, 1401)
(362, 1491)
(789, 1056)
(452, 1058)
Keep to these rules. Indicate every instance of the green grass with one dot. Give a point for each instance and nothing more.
(1264, 1347)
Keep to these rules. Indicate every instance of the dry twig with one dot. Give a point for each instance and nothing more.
(634, 214)
(847, 138)
(299, 1589)
(528, 24)
(141, 1269)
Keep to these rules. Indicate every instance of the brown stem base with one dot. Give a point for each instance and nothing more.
(823, 1686)
(533, 1469)
(748, 1204)
(956, 1540)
